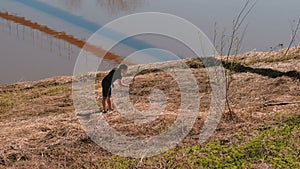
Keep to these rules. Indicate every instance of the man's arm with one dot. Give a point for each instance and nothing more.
(122, 84)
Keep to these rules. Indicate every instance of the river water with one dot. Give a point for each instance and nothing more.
(29, 54)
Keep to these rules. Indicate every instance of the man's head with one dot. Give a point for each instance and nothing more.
(123, 68)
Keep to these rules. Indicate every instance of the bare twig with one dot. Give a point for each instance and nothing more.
(234, 38)
(215, 35)
(294, 33)
(239, 41)
(223, 43)
(238, 22)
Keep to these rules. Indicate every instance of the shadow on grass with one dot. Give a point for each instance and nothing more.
(87, 115)
(237, 67)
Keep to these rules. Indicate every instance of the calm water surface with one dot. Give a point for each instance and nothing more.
(28, 54)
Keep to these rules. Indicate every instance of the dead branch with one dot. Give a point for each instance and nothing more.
(280, 103)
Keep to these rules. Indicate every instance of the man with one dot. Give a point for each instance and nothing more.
(115, 74)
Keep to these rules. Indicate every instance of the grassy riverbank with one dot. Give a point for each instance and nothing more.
(40, 129)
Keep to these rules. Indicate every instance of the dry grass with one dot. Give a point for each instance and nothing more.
(251, 58)
(39, 128)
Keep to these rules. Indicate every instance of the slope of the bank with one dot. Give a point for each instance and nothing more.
(40, 129)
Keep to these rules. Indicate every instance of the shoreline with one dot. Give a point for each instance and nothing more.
(248, 58)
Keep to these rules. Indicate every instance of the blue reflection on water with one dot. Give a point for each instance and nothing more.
(83, 23)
